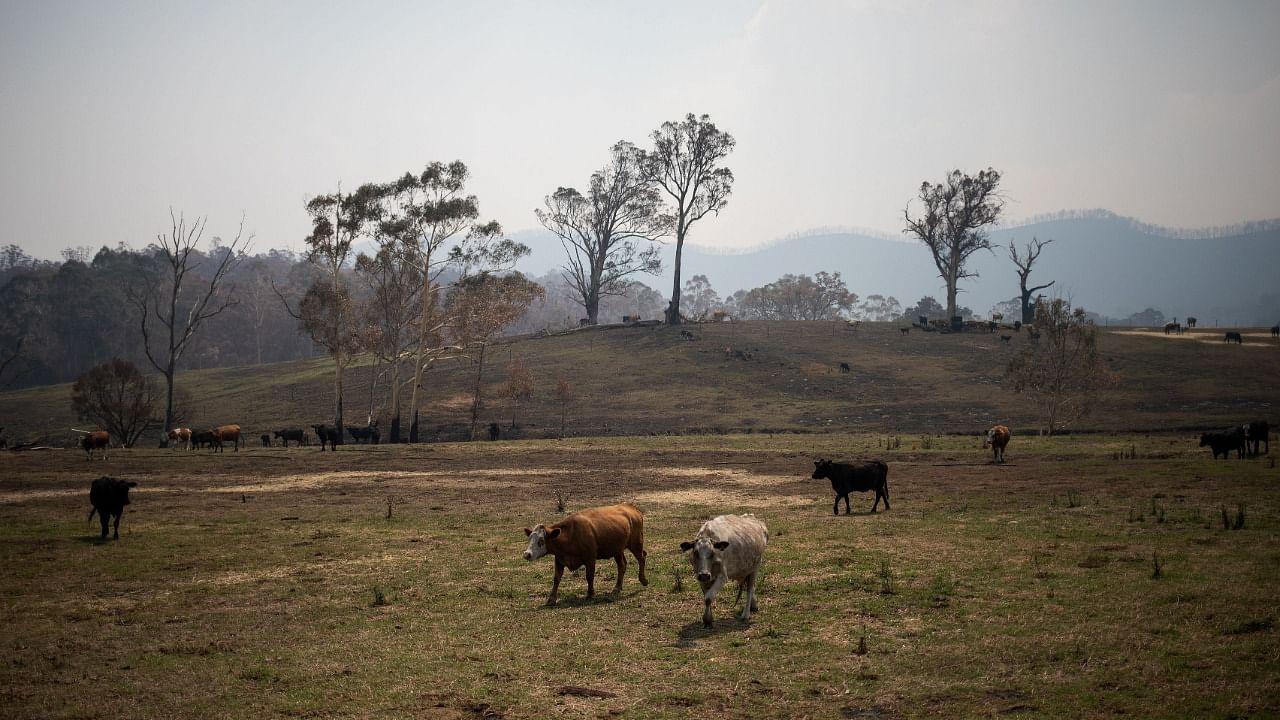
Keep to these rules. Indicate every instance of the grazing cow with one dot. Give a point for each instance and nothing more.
(329, 435)
(1256, 433)
(298, 436)
(1191, 322)
(686, 335)
(728, 547)
(997, 438)
(905, 330)
(1275, 331)
(368, 434)
(494, 431)
(844, 367)
(1224, 442)
(586, 536)
(266, 440)
(178, 436)
(1233, 337)
(109, 496)
(1172, 327)
(225, 433)
(992, 327)
(859, 476)
(95, 440)
(584, 322)
(202, 438)
(1006, 338)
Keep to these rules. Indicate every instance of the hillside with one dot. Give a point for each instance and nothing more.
(646, 380)
(1111, 265)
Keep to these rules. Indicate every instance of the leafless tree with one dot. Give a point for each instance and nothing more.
(608, 233)
(952, 222)
(391, 314)
(684, 163)
(519, 388)
(1024, 261)
(1062, 370)
(179, 291)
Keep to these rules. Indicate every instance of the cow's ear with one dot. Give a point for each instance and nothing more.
(528, 532)
(553, 532)
(721, 545)
(686, 546)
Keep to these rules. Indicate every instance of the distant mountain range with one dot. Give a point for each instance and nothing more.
(1109, 264)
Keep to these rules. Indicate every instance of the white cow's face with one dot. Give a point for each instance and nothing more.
(705, 556)
(538, 537)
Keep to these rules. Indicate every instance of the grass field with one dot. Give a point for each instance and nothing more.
(387, 582)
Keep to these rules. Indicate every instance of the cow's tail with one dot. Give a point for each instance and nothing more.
(91, 512)
(884, 476)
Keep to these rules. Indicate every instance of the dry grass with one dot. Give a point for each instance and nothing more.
(269, 583)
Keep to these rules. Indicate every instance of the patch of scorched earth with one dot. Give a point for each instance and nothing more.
(713, 483)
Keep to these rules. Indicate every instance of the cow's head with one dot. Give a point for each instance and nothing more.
(538, 538)
(706, 558)
(821, 469)
(991, 436)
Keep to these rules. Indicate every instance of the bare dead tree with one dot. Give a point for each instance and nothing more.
(175, 297)
(952, 222)
(1024, 261)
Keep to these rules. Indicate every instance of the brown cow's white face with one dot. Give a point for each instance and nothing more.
(538, 541)
(705, 557)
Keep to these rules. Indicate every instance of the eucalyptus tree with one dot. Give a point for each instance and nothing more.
(435, 226)
(179, 289)
(391, 314)
(952, 223)
(609, 233)
(685, 164)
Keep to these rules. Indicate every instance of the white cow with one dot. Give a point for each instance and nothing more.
(726, 548)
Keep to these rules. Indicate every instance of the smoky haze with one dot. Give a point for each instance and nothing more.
(114, 112)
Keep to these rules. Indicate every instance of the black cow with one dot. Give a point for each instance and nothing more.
(844, 367)
(1275, 331)
(202, 438)
(367, 434)
(266, 440)
(1235, 337)
(298, 436)
(327, 435)
(859, 476)
(109, 496)
(1255, 433)
(1224, 442)
(494, 431)
(1191, 322)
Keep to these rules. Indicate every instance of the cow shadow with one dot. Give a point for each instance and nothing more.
(583, 601)
(94, 540)
(690, 634)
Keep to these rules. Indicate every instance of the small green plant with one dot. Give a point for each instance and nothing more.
(388, 508)
(560, 498)
(1073, 499)
(926, 443)
(1157, 511)
(941, 590)
(677, 578)
(1156, 571)
(1239, 521)
(1134, 515)
(379, 597)
(862, 644)
(1226, 519)
(886, 579)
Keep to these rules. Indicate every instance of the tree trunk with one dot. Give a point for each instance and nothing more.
(395, 400)
(673, 308)
(168, 404)
(475, 396)
(337, 390)
(413, 427)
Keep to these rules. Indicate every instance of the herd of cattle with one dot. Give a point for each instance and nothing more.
(726, 548)
(189, 439)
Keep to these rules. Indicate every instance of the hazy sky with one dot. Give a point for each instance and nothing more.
(114, 111)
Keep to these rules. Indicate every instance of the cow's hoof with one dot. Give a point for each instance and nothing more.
(551, 602)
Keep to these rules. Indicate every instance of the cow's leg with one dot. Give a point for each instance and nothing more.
(884, 492)
(554, 597)
(591, 579)
(116, 528)
(105, 518)
(637, 549)
(835, 509)
(622, 570)
(750, 583)
(707, 596)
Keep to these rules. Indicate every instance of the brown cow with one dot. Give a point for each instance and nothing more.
(180, 435)
(590, 535)
(997, 438)
(223, 433)
(94, 440)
